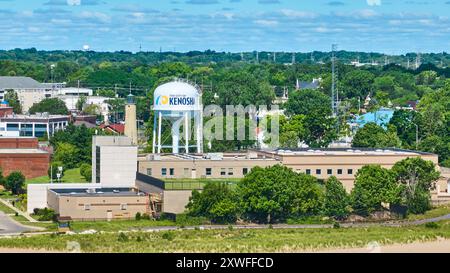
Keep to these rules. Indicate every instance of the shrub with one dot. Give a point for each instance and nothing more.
(433, 225)
(138, 216)
(122, 237)
(45, 214)
(14, 182)
(169, 236)
(86, 171)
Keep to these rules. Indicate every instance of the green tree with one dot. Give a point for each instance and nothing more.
(68, 154)
(217, 202)
(53, 106)
(337, 201)
(86, 171)
(319, 124)
(374, 136)
(13, 101)
(358, 83)
(276, 193)
(15, 182)
(374, 186)
(417, 177)
(81, 102)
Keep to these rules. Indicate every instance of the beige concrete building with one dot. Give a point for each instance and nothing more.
(192, 166)
(321, 163)
(98, 204)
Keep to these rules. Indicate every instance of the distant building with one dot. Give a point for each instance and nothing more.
(130, 120)
(37, 125)
(116, 128)
(71, 103)
(308, 85)
(28, 90)
(23, 154)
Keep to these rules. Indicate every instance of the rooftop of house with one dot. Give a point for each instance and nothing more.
(9, 82)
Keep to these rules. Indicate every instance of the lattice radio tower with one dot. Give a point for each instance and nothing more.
(334, 80)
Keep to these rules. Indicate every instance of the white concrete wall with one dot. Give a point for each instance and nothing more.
(176, 201)
(118, 165)
(37, 193)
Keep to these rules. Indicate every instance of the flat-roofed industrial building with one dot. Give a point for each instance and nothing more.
(98, 204)
(321, 163)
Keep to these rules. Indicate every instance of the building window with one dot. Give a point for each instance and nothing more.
(230, 171)
(308, 171)
(87, 207)
(318, 171)
(350, 171)
(223, 171)
(164, 171)
(171, 171)
(245, 171)
(149, 171)
(329, 171)
(123, 206)
(339, 171)
(208, 171)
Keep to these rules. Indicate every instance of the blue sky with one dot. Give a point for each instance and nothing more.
(388, 26)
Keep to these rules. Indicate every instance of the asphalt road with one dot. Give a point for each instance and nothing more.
(8, 226)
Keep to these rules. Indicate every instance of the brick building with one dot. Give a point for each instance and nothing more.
(23, 154)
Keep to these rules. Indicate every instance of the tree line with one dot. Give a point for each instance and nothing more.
(276, 194)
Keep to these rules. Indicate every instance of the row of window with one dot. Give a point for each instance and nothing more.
(329, 171)
(230, 171)
(208, 171)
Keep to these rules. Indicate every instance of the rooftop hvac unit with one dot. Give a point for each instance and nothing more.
(215, 156)
(90, 191)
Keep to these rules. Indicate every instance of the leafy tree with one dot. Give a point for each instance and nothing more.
(276, 193)
(337, 201)
(216, 202)
(81, 102)
(78, 136)
(86, 171)
(2, 178)
(417, 177)
(374, 136)
(358, 83)
(426, 77)
(53, 106)
(68, 154)
(319, 124)
(15, 182)
(13, 101)
(373, 187)
(404, 121)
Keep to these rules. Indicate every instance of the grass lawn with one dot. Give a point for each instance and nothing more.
(195, 184)
(6, 209)
(70, 176)
(245, 241)
(435, 212)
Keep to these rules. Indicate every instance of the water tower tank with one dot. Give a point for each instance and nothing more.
(178, 101)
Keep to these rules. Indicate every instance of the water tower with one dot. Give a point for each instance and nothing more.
(179, 102)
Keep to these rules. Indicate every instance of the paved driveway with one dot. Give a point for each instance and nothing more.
(8, 226)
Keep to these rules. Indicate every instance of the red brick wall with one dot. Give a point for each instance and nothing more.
(18, 143)
(30, 165)
(5, 111)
